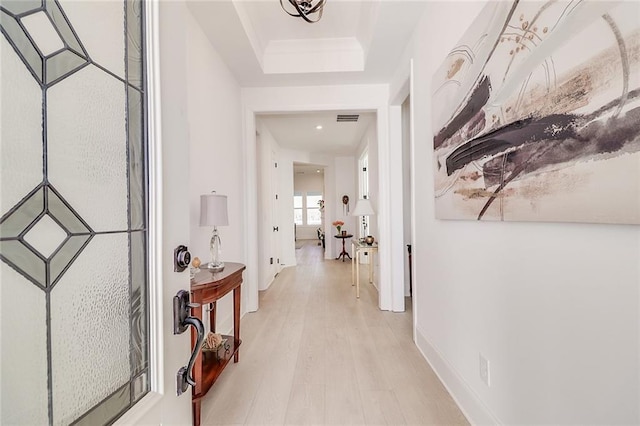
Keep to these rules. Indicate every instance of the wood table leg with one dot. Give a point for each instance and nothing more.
(212, 316)
(371, 267)
(353, 271)
(236, 319)
(357, 279)
(196, 413)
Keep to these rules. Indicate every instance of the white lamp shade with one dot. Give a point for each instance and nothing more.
(213, 210)
(363, 208)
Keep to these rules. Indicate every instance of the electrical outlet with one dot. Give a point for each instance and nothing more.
(485, 372)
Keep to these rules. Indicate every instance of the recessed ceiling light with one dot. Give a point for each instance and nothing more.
(319, 127)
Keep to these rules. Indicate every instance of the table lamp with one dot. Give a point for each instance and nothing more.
(213, 212)
(364, 208)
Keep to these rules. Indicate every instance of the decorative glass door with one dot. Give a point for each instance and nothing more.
(73, 226)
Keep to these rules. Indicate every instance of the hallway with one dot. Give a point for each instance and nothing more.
(314, 354)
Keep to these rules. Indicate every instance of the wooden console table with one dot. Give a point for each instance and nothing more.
(207, 288)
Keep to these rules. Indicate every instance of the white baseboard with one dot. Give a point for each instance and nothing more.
(476, 412)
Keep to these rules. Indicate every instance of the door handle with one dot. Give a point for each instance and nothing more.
(181, 322)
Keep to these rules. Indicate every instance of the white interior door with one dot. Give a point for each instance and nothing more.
(276, 242)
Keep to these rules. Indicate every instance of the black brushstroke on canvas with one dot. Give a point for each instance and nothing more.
(596, 138)
(518, 133)
(476, 101)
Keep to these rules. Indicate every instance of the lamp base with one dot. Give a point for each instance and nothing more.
(215, 267)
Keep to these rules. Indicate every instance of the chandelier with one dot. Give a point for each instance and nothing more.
(304, 9)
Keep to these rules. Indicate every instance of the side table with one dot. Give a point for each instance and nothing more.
(343, 253)
(356, 247)
(208, 287)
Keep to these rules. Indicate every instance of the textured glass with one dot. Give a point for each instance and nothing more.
(45, 236)
(134, 42)
(65, 256)
(61, 64)
(24, 351)
(108, 409)
(21, 6)
(22, 217)
(23, 44)
(72, 186)
(136, 160)
(90, 328)
(139, 305)
(91, 20)
(21, 146)
(19, 256)
(90, 106)
(43, 33)
(58, 209)
(57, 16)
(140, 386)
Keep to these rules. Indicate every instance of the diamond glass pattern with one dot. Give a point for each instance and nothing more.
(17, 227)
(70, 58)
(43, 33)
(59, 246)
(45, 236)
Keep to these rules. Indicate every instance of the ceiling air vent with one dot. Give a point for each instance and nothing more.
(342, 118)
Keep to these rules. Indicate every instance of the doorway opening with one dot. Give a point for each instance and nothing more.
(308, 210)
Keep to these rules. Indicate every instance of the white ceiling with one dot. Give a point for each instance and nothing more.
(298, 131)
(355, 42)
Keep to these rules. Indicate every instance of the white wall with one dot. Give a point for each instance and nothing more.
(344, 184)
(553, 306)
(322, 98)
(406, 186)
(369, 143)
(215, 133)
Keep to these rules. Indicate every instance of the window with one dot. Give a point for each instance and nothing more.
(306, 210)
(297, 208)
(313, 209)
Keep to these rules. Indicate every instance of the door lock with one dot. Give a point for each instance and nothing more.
(181, 258)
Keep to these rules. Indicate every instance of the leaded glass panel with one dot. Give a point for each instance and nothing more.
(73, 237)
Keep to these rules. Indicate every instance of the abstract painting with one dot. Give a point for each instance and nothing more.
(536, 115)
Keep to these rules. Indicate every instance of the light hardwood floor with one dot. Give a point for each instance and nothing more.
(313, 354)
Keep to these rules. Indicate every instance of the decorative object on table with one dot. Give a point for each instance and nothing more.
(364, 208)
(213, 212)
(338, 224)
(195, 267)
(369, 240)
(344, 232)
(345, 204)
(304, 9)
(213, 342)
(535, 114)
